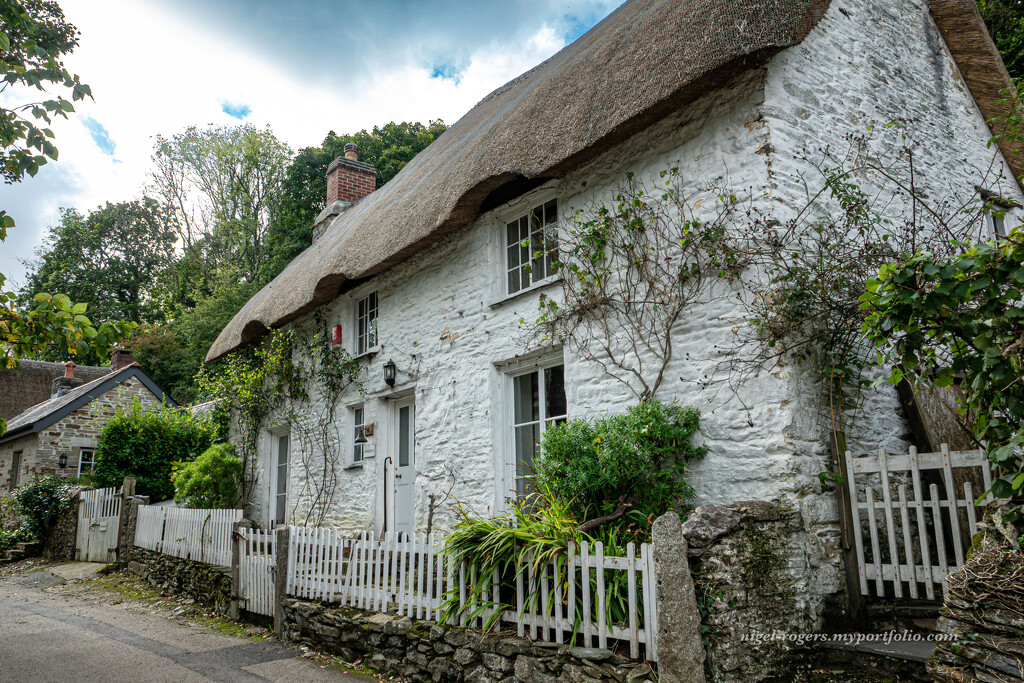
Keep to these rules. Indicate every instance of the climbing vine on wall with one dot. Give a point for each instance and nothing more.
(633, 268)
(295, 378)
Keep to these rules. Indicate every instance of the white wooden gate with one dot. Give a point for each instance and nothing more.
(910, 526)
(256, 565)
(99, 514)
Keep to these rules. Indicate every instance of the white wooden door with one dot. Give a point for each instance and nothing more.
(404, 429)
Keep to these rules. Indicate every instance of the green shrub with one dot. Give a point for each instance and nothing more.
(142, 442)
(43, 500)
(210, 481)
(638, 458)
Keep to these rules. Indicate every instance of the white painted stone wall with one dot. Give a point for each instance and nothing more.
(445, 326)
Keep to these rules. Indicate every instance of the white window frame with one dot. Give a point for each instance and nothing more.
(519, 209)
(273, 496)
(510, 373)
(358, 339)
(994, 204)
(16, 462)
(358, 413)
(92, 461)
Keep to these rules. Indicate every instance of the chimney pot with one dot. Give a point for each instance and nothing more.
(352, 151)
(120, 358)
(69, 369)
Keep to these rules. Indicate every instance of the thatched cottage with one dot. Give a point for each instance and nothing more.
(426, 274)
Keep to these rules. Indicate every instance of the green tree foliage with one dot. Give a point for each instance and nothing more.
(957, 321)
(633, 463)
(224, 186)
(33, 38)
(389, 148)
(212, 480)
(116, 257)
(143, 442)
(42, 501)
(1005, 22)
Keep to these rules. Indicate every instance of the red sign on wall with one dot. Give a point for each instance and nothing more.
(336, 335)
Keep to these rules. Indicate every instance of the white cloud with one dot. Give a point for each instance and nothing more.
(153, 71)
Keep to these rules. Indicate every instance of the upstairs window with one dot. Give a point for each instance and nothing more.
(366, 324)
(531, 244)
(996, 209)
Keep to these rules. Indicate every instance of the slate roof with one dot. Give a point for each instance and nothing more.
(42, 415)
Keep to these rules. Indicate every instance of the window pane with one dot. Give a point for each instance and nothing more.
(371, 334)
(550, 212)
(554, 391)
(282, 450)
(527, 447)
(512, 233)
(513, 281)
(403, 437)
(279, 517)
(527, 398)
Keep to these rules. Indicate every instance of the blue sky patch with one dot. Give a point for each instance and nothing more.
(237, 111)
(446, 72)
(99, 135)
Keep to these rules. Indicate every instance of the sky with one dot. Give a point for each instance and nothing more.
(301, 67)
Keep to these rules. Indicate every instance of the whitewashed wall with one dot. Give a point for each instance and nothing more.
(441, 322)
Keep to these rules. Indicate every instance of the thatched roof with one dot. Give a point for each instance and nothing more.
(645, 60)
(982, 68)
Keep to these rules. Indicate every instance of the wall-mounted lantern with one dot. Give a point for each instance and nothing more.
(62, 461)
(361, 437)
(389, 373)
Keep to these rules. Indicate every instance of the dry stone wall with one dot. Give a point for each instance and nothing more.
(204, 583)
(762, 569)
(425, 651)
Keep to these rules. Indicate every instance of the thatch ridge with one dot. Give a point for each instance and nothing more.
(983, 71)
(645, 60)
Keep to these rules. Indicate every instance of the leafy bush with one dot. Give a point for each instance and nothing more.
(43, 500)
(637, 459)
(210, 481)
(142, 442)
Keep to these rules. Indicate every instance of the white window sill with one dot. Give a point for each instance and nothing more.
(354, 466)
(522, 292)
(367, 353)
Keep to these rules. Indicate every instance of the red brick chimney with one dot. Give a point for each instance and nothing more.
(62, 385)
(349, 179)
(120, 358)
(69, 369)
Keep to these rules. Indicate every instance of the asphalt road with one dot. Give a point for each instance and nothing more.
(56, 636)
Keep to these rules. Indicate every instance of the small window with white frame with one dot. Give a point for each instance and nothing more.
(358, 435)
(538, 401)
(996, 209)
(86, 461)
(531, 247)
(366, 324)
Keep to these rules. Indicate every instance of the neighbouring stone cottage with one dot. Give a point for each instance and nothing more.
(69, 421)
(427, 275)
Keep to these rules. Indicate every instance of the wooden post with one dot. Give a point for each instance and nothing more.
(857, 609)
(236, 560)
(280, 578)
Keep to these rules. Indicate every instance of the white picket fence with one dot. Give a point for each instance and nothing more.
(198, 535)
(256, 562)
(560, 600)
(912, 526)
